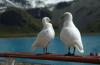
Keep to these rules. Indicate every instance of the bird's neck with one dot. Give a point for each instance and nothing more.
(47, 27)
(68, 23)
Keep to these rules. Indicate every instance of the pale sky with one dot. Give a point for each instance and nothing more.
(49, 2)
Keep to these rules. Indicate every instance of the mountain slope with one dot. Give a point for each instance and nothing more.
(86, 14)
(16, 20)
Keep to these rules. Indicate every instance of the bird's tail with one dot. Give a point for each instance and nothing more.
(34, 46)
(80, 48)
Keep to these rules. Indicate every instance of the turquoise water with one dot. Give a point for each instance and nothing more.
(91, 44)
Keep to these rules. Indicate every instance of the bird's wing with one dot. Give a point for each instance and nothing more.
(79, 46)
(41, 37)
(73, 35)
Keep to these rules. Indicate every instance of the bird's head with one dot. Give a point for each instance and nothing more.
(46, 21)
(67, 16)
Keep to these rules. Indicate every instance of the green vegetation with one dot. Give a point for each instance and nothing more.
(24, 25)
(18, 22)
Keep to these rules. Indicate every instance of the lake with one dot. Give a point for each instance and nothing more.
(91, 44)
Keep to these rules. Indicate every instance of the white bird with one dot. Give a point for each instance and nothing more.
(45, 36)
(70, 35)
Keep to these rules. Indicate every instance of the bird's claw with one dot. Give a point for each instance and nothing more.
(47, 53)
(69, 54)
(39, 54)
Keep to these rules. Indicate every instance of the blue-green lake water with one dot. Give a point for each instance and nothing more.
(91, 44)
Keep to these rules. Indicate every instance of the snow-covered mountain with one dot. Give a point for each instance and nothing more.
(85, 12)
(15, 3)
(2, 6)
(22, 3)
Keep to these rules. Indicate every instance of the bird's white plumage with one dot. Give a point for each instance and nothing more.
(70, 35)
(45, 36)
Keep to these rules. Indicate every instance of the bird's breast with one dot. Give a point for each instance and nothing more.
(50, 32)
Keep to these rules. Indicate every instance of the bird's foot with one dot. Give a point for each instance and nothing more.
(66, 55)
(47, 53)
(72, 54)
(69, 54)
(39, 54)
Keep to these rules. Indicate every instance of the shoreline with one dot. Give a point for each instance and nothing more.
(35, 34)
(18, 35)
